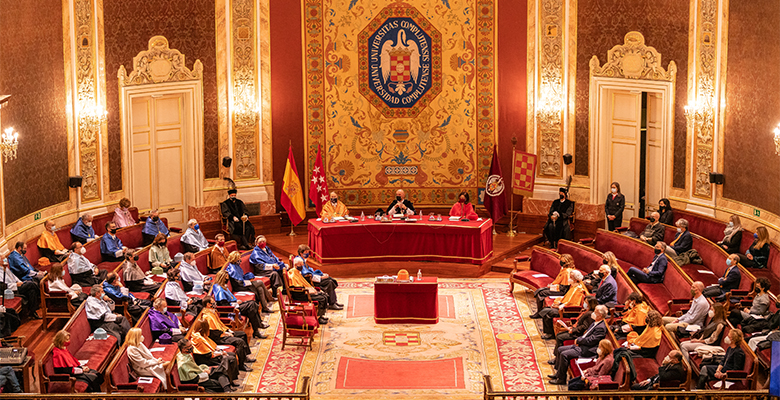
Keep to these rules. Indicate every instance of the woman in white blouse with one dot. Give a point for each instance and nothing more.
(57, 284)
(142, 360)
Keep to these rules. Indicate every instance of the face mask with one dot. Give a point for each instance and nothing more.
(755, 236)
(82, 250)
(599, 351)
(165, 310)
(135, 257)
(661, 207)
(221, 243)
(88, 224)
(397, 198)
(261, 245)
(461, 200)
(305, 255)
(561, 197)
(593, 316)
(727, 341)
(651, 219)
(53, 228)
(679, 229)
(196, 227)
(334, 201)
(728, 262)
(66, 344)
(711, 313)
(233, 198)
(614, 190)
(585, 306)
(113, 231)
(155, 219)
(24, 251)
(731, 224)
(657, 251)
(562, 263)
(605, 262)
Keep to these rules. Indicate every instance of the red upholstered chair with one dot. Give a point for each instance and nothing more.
(56, 304)
(299, 319)
(118, 374)
(175, 381)
(543, 269)
(247, 267)
(33, 254)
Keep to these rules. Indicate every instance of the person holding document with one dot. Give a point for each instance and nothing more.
(400, 205)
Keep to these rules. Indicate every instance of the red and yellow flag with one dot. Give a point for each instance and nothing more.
(292, 192)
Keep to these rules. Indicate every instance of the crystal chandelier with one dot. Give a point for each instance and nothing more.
(9, 144)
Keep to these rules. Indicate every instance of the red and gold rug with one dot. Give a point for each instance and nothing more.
(480, 331)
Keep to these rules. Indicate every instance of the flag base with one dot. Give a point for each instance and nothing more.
(511, 233)
(292, 231)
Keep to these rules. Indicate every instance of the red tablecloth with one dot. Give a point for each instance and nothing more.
(461, 242)
(407, 303)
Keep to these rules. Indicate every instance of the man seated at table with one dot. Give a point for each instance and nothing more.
(83, 231)
(49, 244)
(584, 346)
(401, 205)
(334, 208)
(190, 273)
(319, 279)
(302, 290)
(153, 226)
(28, 290)
(218, 255)
(192, 240)
(265, 263)
(81, 270)
(111, 247)
(20, 265)
(463, 208)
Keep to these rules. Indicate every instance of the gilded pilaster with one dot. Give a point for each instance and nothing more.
(703, 123)
(244, 82)
(550, 102)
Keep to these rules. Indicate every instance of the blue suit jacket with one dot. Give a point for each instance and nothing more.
(658, 268)
(607, 291)
(684, 243)
(730, 280)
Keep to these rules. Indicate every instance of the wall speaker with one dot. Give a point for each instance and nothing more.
(74, 181)
(226, 162)
(716, 178)
(567, 158)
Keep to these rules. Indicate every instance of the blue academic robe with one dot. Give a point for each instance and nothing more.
(83, 231)
(20, 266)
(152, 228)
(116, 293)
(264, 256)
(109, 245)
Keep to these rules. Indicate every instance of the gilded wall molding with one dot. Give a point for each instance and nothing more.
(245, 111)
(633, 60)
(90, 114)
(703, 127)
(159, 64)
(550, 101)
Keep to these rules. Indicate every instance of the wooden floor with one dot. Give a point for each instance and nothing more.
(504, 250)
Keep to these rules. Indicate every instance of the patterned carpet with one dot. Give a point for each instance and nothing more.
(480, 331)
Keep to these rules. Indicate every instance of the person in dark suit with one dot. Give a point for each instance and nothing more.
(671, 369)
(584, 346)
(682, 240)
(654, 273)
(582, 324)
(734, 360)
(557, 226)
(401, 205)
(666, 212)
(654, 231)
(614, 206)
(606, 293)
(730, 280)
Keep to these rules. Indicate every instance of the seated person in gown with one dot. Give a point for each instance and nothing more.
(28, 290)
(192, 240)
(306, 292)
(265, 263)
(218, 255)
(153, 226)
(319, 279)
(221, 334)
(141, 359)
(640, 346)
(100, 314)
(83, 232)
(574, 298)
(190, 274)
(248, 309)
(207, 351)
(463, 208)
(401, 205)
(241, 281)
(212, 379)
(21, 266)
(135, 278)
(81, 270)
(111, 247)
(49, 243)
(162, 321)
(235, 213)
(159, 256)
(634, 316)
(557, 226)
(334, 208)
(174, 294)
(122, 216)
(115, 290)
(66, 364)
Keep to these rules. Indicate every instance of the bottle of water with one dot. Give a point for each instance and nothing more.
(420, 219)
(362, 216)
(419, 274)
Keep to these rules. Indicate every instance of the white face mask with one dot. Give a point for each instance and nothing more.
(585, 306)
(731, 224)
(593, 316)
(53, 228)
(88, 223)
(679, 229)
(83, 250)
(614, 190)
(599, 351)
(165, 310)
(711, 313)
(727, 341)
(193, 264)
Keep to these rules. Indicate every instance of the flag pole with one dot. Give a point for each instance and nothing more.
(512, 232)
(292, 226)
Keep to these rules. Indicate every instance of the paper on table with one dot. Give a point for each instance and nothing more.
(540, 276)
(704, 271)
(454, 218)
(156, 349)
(145, 380)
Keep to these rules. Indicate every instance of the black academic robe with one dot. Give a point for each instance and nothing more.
(241, 230)
(559, 229)
(407, 203)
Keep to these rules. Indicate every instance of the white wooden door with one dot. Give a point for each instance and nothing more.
(158, 161)
(655, 151)
(621, 130)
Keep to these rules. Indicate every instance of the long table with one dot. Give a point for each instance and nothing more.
(407, 303)
(446, 241)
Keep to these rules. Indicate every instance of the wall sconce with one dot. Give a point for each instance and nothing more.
(777, 139)
(549, 110)
(9, 143)
(698, 114)
(92, 115)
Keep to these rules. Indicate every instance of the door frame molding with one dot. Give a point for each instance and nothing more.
(599, 86)
(193, 146)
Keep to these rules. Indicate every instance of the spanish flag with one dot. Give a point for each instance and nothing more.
(292, 192)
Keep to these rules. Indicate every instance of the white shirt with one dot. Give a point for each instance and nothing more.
(59, 285)
(10, 279)
(190, 273)
(195, 238)
(96, 308)
(174, 291)
(78, 264)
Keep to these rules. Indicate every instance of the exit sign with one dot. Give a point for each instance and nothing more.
(756, 212)
(37, 216)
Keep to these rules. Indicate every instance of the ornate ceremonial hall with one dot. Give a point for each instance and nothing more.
(390, 199)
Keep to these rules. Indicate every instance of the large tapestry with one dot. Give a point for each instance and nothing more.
(400, 94)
